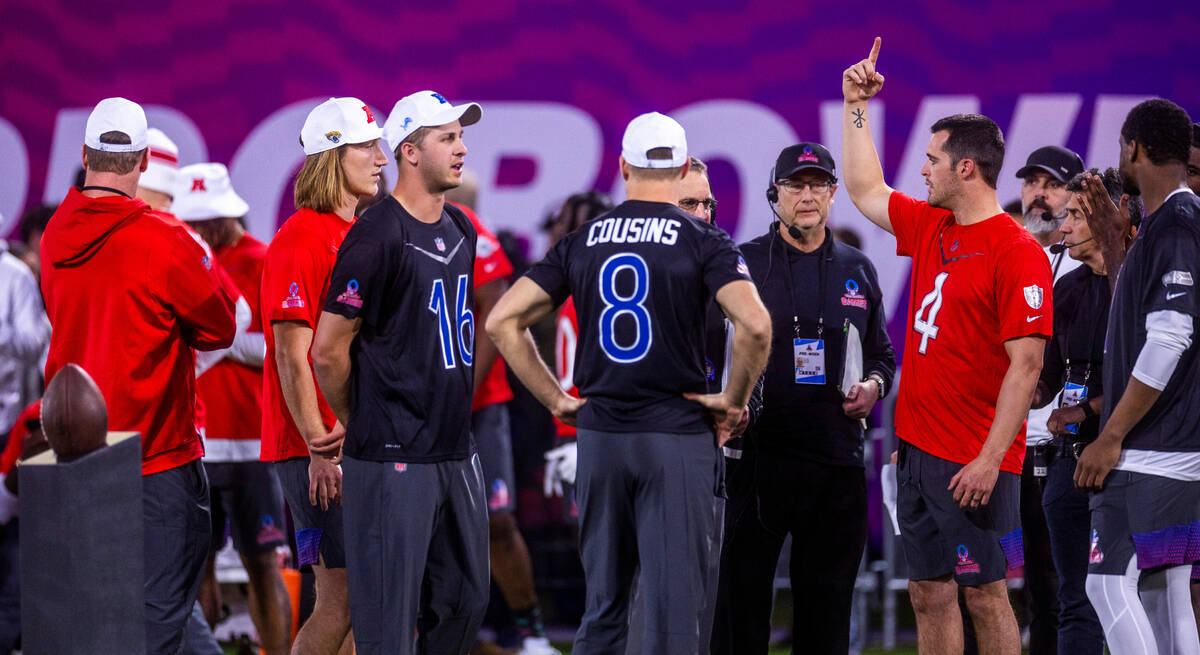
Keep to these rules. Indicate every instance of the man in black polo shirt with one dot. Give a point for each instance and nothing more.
(802, 470)
(393, 355)
(641, 276)
(1073, 366)
(1146, 460)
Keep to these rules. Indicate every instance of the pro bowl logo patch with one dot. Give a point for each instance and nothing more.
(1095, 555)
(1033, 296)
(441, 244)
(807, 155)
(206, 262)
(852, 297)
(293, 299)
(334, 136)
(268, 532)
(742, 268)
(710, 370)
(350, 295)
(965, 563)
(498, 499)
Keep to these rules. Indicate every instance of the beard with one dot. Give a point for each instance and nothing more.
(1040, 220)
(1129, 186)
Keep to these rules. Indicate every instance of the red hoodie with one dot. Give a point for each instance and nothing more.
(128, 291)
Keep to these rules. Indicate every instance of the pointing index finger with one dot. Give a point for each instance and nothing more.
(874, 56)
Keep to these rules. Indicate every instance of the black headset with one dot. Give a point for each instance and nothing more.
(772, 200)
(772, 191)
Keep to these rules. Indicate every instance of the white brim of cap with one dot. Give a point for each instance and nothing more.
(468, 114)
(228, 204)
(159, 178)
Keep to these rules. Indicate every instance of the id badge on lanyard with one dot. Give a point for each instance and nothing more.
(809, 360)
(1072, 395)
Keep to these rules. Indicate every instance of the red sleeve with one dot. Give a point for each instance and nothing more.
(491, 263)
(293, 281)
(190, 286)
(1024, 286)
(566, 338)
(16, 438)
(910, 217)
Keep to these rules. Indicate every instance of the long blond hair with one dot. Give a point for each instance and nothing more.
(321, 183)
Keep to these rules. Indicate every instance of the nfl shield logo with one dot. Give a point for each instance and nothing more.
(441, 245)
(1033, 296)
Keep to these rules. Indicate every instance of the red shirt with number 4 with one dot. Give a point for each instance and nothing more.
(973, 287)
(295, 280)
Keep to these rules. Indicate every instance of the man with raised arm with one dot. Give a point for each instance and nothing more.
(979, 311)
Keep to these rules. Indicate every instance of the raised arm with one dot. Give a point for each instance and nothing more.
(861, 170)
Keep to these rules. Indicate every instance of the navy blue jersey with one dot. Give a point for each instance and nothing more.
(641, 276)
(411, 361)
(1159, 273)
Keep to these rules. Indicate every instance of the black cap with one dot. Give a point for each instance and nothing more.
(1057, 161)
(796, 158)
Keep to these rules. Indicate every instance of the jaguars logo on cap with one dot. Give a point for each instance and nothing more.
(333, 136)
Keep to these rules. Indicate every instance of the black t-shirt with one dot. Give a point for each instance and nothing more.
(411, 361)
(1159, 273)
(1076, 353)
(641, 276)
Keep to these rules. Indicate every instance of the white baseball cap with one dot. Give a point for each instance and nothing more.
(425, 109)
(164, 163)
(336, 122)
(116, 115)
(648, 132)
(204, 192)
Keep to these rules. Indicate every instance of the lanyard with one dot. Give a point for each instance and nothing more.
(92, 187)
(1087, 372)
(821, 265)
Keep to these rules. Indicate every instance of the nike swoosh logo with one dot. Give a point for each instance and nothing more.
(1030, 319)
(1173, 296)
(438, 258)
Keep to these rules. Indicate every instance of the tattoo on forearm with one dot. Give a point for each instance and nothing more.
(859, 117)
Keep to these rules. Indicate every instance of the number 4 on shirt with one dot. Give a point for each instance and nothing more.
(449, 328)
(927, 327)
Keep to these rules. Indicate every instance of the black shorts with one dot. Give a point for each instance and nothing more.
(940, 538)
(493, 438)
(248, 497)
(1155, 517)
(318, 532)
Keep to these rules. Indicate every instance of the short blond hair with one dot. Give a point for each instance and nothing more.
(321, 181)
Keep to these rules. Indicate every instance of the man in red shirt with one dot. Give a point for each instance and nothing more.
(300, 434)
(245, 491)
(980, 311)
(129, 295)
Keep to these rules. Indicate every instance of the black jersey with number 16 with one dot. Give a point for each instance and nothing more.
(641, 277)
(411, 361)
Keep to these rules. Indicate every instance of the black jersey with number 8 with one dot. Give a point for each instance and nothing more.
(641, 277)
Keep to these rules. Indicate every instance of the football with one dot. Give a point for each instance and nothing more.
(74, 416)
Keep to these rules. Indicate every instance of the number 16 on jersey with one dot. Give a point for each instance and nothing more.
(460, 327)
(932, 301)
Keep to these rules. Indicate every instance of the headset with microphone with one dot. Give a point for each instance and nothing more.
(1058, 248)
(772, 200)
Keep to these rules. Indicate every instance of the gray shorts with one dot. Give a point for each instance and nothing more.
(940, 538)
(417, 555)
(319, 533)
(247, 496)
(1155, 517)
(493, 438)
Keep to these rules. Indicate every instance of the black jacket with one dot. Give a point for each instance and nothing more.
(803, 420)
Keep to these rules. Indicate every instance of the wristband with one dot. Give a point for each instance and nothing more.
(1088, 412)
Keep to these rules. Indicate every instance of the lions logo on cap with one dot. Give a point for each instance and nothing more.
(407, 120)
(440, 98)
(334, 136)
